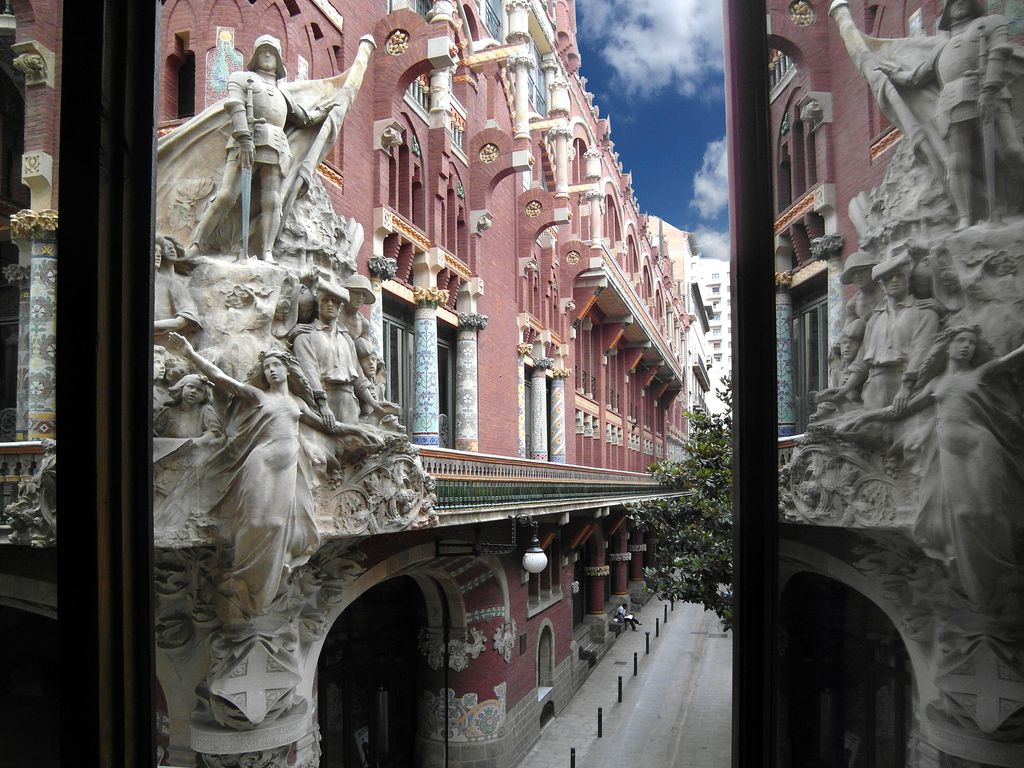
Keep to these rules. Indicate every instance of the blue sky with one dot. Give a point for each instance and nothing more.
(655, 66)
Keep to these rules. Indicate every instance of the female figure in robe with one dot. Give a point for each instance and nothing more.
(260, 483)
(973, 481)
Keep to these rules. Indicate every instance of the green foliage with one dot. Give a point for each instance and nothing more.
(694, 532)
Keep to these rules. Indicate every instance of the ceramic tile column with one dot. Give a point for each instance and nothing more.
(381, 269)
(18, 277)
(522, 350)
(556, 451)
(426, 403)
(466, 382)
(829, 248)
(784, 355)
(539, 405)
(40, 228)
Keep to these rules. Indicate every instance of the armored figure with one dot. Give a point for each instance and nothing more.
(259, 110)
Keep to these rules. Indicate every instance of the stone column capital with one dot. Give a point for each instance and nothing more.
(559, 131)
(561, 373)
(521, 59)
(593, 194)
(382, 267)
(472, 321)
(783, 280)
(429, 297)
(17, 275)
(524, 349)
(543, 364)
(29, 223)
(827, 246)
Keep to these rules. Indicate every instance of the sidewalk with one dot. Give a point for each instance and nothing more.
(676, 713)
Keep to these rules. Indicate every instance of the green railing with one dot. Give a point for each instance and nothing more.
(468, 480)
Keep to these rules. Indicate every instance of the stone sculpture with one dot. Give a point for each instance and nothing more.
(173, 306)
(941, 90)
(924, 472)
(973, 481)
(276, 130)
(274, 449)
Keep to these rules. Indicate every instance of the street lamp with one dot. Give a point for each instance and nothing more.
(534, 559)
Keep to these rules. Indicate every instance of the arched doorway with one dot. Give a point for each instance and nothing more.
(29, 688)
(367, 679)
(850, 700)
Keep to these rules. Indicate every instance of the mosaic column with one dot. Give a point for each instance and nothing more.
(466, 379)
(426, 403)
(41, 229)
(540, 408)
(18, 277)
(381, 269)
(829, 248)
(556, 453)
(523, 350)
(620, 566)
(786, 404)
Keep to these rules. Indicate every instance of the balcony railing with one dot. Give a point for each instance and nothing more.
(786, 445)
(419, 92)
(474, 481)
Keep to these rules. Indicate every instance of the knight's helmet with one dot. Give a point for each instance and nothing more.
(268, 41)
(945, 22)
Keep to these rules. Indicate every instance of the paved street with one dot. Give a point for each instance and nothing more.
(675, 714)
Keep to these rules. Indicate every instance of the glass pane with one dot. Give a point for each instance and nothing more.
(897, 162)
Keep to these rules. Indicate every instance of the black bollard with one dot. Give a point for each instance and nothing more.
(620, 689)
(647, 643)
(634, 663)
(572, 757)
(672, 604)
(600, 729)
(666, 613)
(657, 627)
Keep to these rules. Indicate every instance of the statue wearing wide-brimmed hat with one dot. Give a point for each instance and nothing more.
(857, 271)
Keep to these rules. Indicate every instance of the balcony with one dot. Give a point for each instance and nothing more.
(473, 487)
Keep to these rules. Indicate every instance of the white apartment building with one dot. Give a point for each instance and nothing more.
(712, 276)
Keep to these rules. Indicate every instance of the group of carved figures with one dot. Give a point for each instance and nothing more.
(314, 394)
(916, 370)
(914, 373)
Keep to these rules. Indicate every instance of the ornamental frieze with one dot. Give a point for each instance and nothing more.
(597, 571)
(620, 557)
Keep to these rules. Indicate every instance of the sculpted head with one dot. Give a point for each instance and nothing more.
(275, 369)
(267, 56)
(332, 298)
(894, 275)
(192, 390)
(857, 270)
(955, 11)
(963, 345)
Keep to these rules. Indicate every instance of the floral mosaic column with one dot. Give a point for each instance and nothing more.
(557, 442)
(784, 356)
(426, 403)
(523, 350)
(540, 408)
(466, 378)
(41, 229)
(381, 269)
(18, 277)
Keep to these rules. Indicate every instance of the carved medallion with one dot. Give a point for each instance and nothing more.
(801, 13)
(489, 153)
(533, 209)
(572, 257)
(397, 43)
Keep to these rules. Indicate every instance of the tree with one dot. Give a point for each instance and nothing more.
(693, 562)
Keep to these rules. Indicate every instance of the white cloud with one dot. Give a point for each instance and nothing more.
(658, 44)
(711, 182)
(712, 243)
